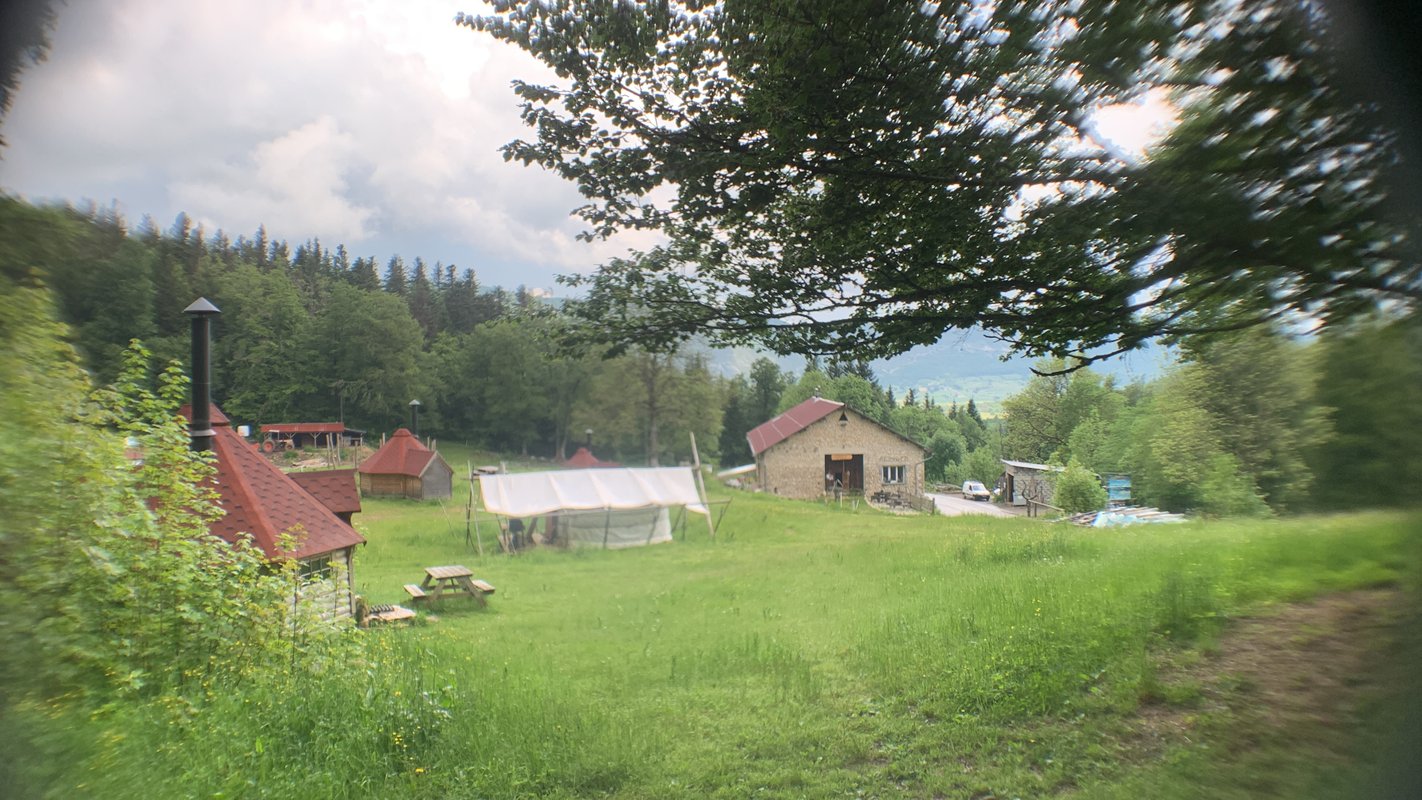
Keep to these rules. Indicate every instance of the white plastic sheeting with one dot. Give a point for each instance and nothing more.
(531, 494)
(612, 530)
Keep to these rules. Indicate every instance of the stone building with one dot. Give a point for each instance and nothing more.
(1023, 481)
(821, 446)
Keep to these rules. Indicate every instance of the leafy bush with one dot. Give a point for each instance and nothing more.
(111, 581)
(1078, 490)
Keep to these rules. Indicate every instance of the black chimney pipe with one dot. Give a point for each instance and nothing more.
(200, 428)
(415, 418)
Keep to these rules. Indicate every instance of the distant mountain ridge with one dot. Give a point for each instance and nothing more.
(962, 365)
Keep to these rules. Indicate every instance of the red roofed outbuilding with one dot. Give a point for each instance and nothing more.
(301, 434)
(822, 446)
(261, 501)
(403, 467)
(334, 488)
(584, 459)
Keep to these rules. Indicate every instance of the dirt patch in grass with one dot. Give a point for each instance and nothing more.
(1301, 671)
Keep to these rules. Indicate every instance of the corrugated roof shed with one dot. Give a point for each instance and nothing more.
(768, 434)
(304, 427)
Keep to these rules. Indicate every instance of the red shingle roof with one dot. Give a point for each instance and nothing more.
(768, 434)
(584, 459)
(402, 454)
(334, 488)
(265, 502)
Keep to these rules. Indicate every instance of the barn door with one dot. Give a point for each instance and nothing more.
(844, 471)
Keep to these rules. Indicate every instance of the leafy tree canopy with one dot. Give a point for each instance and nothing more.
(840, 176)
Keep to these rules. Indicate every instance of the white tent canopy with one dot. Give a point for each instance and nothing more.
(529, 494)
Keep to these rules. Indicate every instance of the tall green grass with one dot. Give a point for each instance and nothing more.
(806, 652)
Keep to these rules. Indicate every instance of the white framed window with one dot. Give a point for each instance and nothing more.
(894, 474)
(315, 570)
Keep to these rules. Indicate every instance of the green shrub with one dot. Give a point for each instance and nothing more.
(1078, 490)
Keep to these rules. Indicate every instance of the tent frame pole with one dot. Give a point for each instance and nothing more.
(701, 485)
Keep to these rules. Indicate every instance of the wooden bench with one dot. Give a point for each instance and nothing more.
(393, 614)
(416, 593)
(476, 588)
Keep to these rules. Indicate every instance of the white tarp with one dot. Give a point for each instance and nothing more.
(531, 494)
(612, 530)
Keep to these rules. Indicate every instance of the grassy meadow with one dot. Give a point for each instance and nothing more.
(814, 652)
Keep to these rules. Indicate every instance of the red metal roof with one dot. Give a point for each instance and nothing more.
(334, 488)
(265, 502)
(768, 434)
(304, 427)
(584, 459)
(402, 454)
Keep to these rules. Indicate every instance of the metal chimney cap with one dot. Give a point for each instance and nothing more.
(415, 404)
(202, 307)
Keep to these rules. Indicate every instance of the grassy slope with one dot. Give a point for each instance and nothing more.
(807, 652)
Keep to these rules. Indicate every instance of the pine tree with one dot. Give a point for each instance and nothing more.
(261, 247)
(395, 277)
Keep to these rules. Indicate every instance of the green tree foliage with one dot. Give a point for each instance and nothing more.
(750, 401)
(319, 340)
(264, 343)
(1259, 387)
(1078, 490)
(370, 350)
(1041, 418)
(24, 40)
(1175, 446)
(736, 422)
(846, 177)
(645, 403)
(945, 450)
(396, 278)
(115, 588)
(1370, 382)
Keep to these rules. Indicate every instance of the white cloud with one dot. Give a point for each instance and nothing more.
(297, 179)
(370, 122)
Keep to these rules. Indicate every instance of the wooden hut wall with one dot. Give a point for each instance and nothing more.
(328, 589)
(438, 481)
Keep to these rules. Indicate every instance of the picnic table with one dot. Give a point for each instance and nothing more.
(455, 580)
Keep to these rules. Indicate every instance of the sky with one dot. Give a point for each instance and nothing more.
(373, 124)
(370, 123)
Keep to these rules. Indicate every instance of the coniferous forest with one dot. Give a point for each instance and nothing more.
(1251, 422)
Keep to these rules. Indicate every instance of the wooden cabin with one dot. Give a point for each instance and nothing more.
(261, 501)
(403, 467)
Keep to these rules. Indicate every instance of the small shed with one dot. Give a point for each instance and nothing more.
(584, 459)
(1025, 481)
(404, 467)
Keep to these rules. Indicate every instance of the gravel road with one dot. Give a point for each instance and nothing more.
(953, 505)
